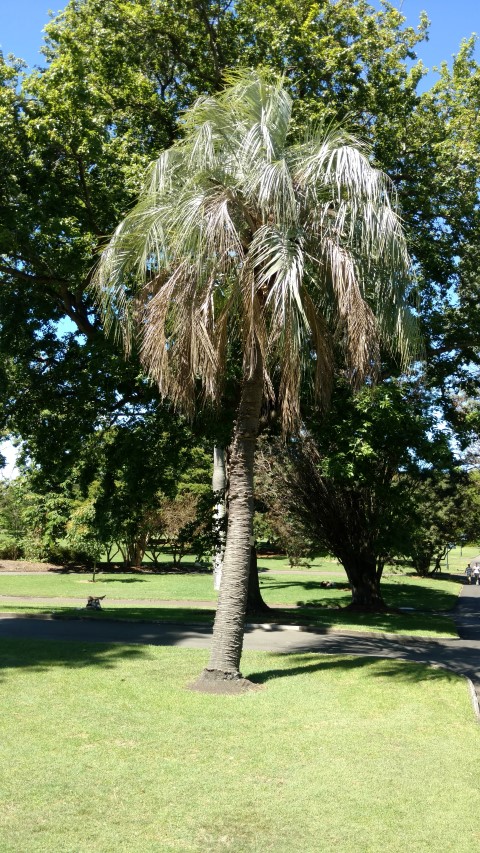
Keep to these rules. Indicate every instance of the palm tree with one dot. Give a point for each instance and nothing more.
(244, 244)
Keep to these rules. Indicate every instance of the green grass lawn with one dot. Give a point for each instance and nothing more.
(413, 624)
(107, 751)
(317, 605)
(399, 590)
(130, 585)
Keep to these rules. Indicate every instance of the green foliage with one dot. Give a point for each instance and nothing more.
(178, 526)
(78, 135)
(33, 523)
(441, 516)
(9, 547)
(276, 530)
(352, 484)
(436, 170)
(344, 57)
(81, 535)
(112, 489)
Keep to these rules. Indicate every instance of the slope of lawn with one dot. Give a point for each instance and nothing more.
(133, 596)
(399, 590)
(108, 751)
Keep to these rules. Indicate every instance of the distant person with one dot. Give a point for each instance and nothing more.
(476, 574)
(468, 572)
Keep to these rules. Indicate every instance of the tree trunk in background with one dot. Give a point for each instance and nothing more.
(219, 484)
(228, 629)
(255, 602)
(365, 583)
(139, 551)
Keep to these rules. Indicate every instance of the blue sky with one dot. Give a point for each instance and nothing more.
(21, 23)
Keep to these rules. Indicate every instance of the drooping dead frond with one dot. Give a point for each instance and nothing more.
(321, 351)
(356, 324)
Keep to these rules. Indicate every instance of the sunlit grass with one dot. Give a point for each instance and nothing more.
(107, 751)
(399, 590)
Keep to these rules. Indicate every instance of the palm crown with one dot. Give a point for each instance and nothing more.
(238, 232)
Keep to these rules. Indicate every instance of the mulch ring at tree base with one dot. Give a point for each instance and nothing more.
(211, 681)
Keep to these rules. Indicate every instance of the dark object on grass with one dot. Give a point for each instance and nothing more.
(93, 602)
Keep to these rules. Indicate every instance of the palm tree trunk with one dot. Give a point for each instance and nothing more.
(230, 617)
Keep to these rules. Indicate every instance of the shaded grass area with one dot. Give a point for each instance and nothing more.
(315, 564)
(110, 753)
(120, 613)
(424, 625)
(398, 591)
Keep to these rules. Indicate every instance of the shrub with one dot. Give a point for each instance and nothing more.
(9, 547)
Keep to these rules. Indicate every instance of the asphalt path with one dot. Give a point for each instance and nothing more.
(461, 656)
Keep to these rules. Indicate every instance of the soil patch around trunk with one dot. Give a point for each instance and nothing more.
(215, 681)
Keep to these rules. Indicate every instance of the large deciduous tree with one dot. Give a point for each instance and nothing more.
(239, 236)
(361, 482)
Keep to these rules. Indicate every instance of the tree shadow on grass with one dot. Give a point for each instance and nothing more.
(306, 664)
(306, 585)
(135, 579)
(143, 615)
(42, 643)
(418, 598)
(325, 616)
(40, 656)
(328, 596)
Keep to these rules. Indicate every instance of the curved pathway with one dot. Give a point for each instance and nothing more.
(461, 656)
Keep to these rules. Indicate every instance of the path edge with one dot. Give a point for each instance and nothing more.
(474, 699)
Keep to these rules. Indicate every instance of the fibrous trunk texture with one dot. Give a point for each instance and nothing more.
(228, 629)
